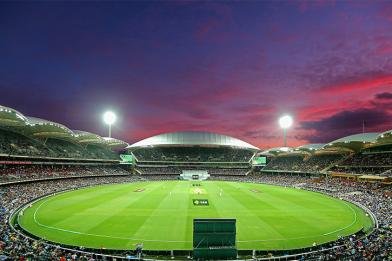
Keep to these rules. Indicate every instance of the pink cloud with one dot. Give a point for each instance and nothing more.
(358, 85)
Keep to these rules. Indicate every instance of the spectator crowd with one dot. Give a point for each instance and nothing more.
(14, 246)
(13, 173)
(16, 144)
(176, 170)
(367, 163)
(377, 198)
(193, 154)
(359, 163)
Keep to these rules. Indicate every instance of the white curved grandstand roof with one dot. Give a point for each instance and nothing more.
(388, 132)
(277, 150)
(37, 121)
(384, 138)
(88, 137)
(385, 135)
(45, 128)
(354, 142)
(193, 138)
(115, 143)
(362, 137)
(11, 117)
(312, 146)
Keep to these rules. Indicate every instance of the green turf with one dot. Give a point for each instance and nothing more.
(160, 215)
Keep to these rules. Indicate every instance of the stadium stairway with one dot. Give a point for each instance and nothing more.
(324, 171)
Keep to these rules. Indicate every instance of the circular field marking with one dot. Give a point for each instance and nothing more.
(115, 217)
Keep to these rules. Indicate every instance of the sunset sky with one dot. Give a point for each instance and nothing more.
(218, 66)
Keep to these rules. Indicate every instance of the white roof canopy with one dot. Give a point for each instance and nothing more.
(193, 138)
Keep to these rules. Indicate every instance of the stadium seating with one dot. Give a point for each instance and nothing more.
(12, 143)
(100, 152)
(35, 172)
(298, 162)
(356, 163)
(170, 170)
(14, 246)
(375, 197)
(16, 144)
(228, 171)
(65, 149)
(318, 162)
(33, 166)
(192, 154)
(159, 170)
(366, 163)
(286, 162)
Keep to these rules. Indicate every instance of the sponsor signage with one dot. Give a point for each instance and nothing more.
(200, 202)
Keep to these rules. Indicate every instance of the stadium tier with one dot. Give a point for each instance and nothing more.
(11, 174)
(192, 154)
(12, 143)
(375, 197)
(304, 163)
(360, 156)
(172, 153)
(177, 170)
(24, 137)
(366, 162)
(286, 162)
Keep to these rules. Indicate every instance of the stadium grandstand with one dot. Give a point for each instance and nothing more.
(173, 153)
(40, 158)
(365, 156)
(22, 137)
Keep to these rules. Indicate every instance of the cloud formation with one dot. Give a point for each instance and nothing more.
(226, 67)
(384, 96)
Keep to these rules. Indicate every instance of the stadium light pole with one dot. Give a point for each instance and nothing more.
(285, 122)
(109, 118)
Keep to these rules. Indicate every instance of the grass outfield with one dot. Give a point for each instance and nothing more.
(160, 214)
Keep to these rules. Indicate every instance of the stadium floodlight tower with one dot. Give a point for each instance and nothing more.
(109, 118)
(285, 122)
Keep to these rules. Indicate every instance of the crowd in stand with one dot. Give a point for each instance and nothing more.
(15, 144)
(376, 197)
(159, 177)
(380, 171)
(159, 170)
(228, 171)
(193, 154)
(369, 159)
(170, 170)
(367, 163)
(12, 173)
(298, 162)
(16, 247)
(286, 162)
(320, 161)
(362, 163)
(65, 149)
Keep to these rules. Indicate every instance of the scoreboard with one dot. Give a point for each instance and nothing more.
(126, 159)
(259, 161)
(214, 239)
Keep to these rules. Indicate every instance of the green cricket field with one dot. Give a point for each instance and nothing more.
(160, 215)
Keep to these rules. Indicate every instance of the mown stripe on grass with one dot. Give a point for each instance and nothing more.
(266, 220)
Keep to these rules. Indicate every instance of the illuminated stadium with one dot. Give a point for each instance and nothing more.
(67, 192)
(171, 153)
(196, 130)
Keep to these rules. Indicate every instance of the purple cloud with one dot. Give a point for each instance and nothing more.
(384, 96)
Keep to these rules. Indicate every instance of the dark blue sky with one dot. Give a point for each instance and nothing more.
(223, 66)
